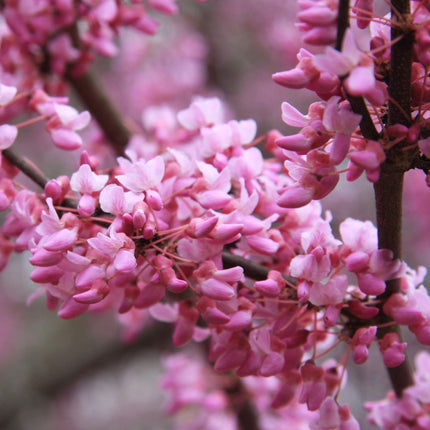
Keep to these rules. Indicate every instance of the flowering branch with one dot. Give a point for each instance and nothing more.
(388, 190)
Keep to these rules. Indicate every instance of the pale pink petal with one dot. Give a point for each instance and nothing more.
(333, 62)
(318, 15)
(112, 199)
(262, 244)
(165, 312)
(217, 290)
(243, 131)
(339, 148)
(71, 309)
(295, 196)
(7, 93)
(8, 135)
(295, 78)
(215, 199)
(61, 240)
(86, 278)
(329, 415)
(87, 205)
(125, 261)
(291, 116)
(295, 142)
(42, 257)
(234, 274)
(66, 139)
(201, 113)
(85, 181)
(65, 113)
(46, 275)
(360, 81)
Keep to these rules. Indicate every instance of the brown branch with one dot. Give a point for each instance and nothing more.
(251, 269)
(32, 172)
(342, 22)
(247, 415)
(29, 169)
(91, 92)
(367, 126)
(389, 188)
(388, 198)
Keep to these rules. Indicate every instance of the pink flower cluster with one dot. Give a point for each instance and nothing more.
(48, 23)
(329, 132)
(409, 411)
(148, 236)
(194, 227)
(62, 121)
(198, 397)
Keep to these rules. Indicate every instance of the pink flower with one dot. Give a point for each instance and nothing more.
(392, 350)
(141, 175)
(114, 200)
(367, 156)
(85, 181)
(64, 123)
(307, 75)
(341, 120)
(354, 63)
(217, 284)
(201, 113)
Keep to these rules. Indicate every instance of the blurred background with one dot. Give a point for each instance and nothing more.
(78, 374)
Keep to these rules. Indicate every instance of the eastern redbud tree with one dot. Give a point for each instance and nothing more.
(185, 216)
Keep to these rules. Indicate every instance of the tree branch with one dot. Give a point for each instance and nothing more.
(33, 173)
(247, 416)
(89, 89)
(389, 188)
(29, 169)
(388, 198)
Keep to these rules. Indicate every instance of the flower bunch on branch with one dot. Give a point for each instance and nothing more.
(193, 226)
